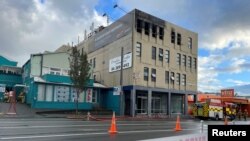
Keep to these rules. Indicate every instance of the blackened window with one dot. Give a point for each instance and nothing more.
(139, 25)
(153, 75)
(178, 59)
(160, 54)
(173, 36)
(190, 42)
(138, 49)
(167, 76)
(178, 78)
(167, 56)
(189, 61)
(146, 73)
(146, 28)
(153, 53)
(161, 32)
(195, 63)
(184, 60)
(154, 30)
(183, 82)
(172, 77)
(178, 39)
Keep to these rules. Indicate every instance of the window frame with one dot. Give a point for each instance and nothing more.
(160, 54)
(138, 49)
(167, 56)
(145, 73)
(153, 53)
(153, 75)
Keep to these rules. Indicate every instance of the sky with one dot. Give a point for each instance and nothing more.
(223, 27)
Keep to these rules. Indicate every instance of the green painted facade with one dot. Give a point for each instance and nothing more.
(8, 77)
(5, 62)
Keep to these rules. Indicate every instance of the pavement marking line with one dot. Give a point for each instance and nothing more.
(62, 126)
(83, 134)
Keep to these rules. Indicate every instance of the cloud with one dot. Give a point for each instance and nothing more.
(237, 82)
(34, 26)
(236, 66)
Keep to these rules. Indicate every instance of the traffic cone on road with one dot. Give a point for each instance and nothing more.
(178, 124)
(225, 122)
(112, 129)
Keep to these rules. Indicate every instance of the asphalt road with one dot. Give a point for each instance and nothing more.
(56, 129)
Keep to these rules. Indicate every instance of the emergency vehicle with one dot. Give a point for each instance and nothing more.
(214, 109)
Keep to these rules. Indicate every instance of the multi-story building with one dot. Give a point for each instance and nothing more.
(159, 63)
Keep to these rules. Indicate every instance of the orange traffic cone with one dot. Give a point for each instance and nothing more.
(112, 129)
(225, 122)
(178, 124)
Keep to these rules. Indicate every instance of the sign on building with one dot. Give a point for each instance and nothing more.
(227, 93)
(2, 88)
(89, 95)
(115, 63)
(117, 91)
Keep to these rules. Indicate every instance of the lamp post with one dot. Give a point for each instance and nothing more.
(105, 14)
(121, 85)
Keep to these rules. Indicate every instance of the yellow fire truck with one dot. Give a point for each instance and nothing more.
(214, 109)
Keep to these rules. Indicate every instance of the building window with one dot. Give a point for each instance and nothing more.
(183, 82)
(178, 59)
(90, 62)
(160, 54)
(146, 28)
(195, 63)
(167, 56)
(55, 71)
(189, 61)
(178, 39)
(94, 96)
(146, 73)
(94, 63)
(190, 42)
(178, 75)
(172, 77)
(138, 49)
(94, 78)
(154, 30)
(153, 53)
(167, 76)
(184, 60)
(153, 75)
(41, 92)
(173, 36)
(139, 25)
(161, 32)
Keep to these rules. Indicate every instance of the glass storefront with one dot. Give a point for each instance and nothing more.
(142, 103)
(177, 104)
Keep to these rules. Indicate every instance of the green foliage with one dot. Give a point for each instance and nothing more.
(79, 68)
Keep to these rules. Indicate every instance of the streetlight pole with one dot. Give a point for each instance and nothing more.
(121, 85)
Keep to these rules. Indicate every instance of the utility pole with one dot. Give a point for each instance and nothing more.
(121, 85)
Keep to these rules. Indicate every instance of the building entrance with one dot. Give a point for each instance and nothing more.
(141, 103)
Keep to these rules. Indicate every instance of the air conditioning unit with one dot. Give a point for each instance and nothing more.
(172, 78)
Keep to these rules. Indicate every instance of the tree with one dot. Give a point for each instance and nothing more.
(79, 71)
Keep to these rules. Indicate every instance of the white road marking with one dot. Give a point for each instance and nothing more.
(83, 134)
(63, 126)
